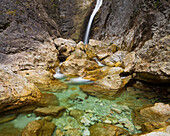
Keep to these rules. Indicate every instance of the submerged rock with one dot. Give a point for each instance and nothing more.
(109, 84)
(101, 129)
(48, 100)
(55, 111)
(38, 128)
(7, 118)
(15, 90)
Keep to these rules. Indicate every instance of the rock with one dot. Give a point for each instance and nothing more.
(156, 115)
(22, 109)
(44, 80)
(108, 86)
(159, 132)
(48, 100)
(127, 124)
(129, 62)
(7, 118)
(77, 114)
(11, 131)
(65, 47)
(55, 111)
(151, 126)
(77, 54)
(48, 118)
(39, 128)
(101, 129)
(114, 59)
(76, 67)
(101, 72)
(99, 49)
(15, 90)
(73, 132)
(24, 45)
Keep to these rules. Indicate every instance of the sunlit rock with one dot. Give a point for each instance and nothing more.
(99, 49)
(15, 90)
(44, 80)
(76, 67)
(115, 58)
(152, 115)
(101, 72)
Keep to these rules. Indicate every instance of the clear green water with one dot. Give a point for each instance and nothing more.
(116, 112)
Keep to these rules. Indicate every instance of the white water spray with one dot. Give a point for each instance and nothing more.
(97, 7)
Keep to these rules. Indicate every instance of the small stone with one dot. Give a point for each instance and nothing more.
(86, 132)
(107, 121)
(118, 111)
(48, 118)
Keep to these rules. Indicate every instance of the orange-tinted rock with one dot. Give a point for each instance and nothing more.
(76, 67)
(47, 100)
(55, 111)
(16, 91)
(101, 129)
(44, 80)
(153, 117)
(39, 128)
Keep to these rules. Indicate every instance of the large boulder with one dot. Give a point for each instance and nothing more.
(152, 117)
(15, 90)
(101, 129)
(77, 67)
(108, 86)
(44, 80)
(38, 128)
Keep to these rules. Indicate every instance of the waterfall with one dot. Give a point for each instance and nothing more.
(97, 7)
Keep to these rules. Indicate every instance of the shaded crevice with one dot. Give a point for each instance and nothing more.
(85, 23)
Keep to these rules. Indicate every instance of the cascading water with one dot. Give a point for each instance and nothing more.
(97, 7)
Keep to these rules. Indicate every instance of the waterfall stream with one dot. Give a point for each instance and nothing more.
(97, 7)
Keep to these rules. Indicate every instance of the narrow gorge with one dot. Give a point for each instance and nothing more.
(84, 68)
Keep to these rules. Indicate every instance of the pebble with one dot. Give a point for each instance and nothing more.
(116, 110)
(86, 132)
(107, 121)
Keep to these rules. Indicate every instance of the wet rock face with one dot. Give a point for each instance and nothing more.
(69, 15)
(25, 30)
(15, 90)
(140, 26)
(39, 127)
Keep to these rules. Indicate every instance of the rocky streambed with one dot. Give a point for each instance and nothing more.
(114, 102)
